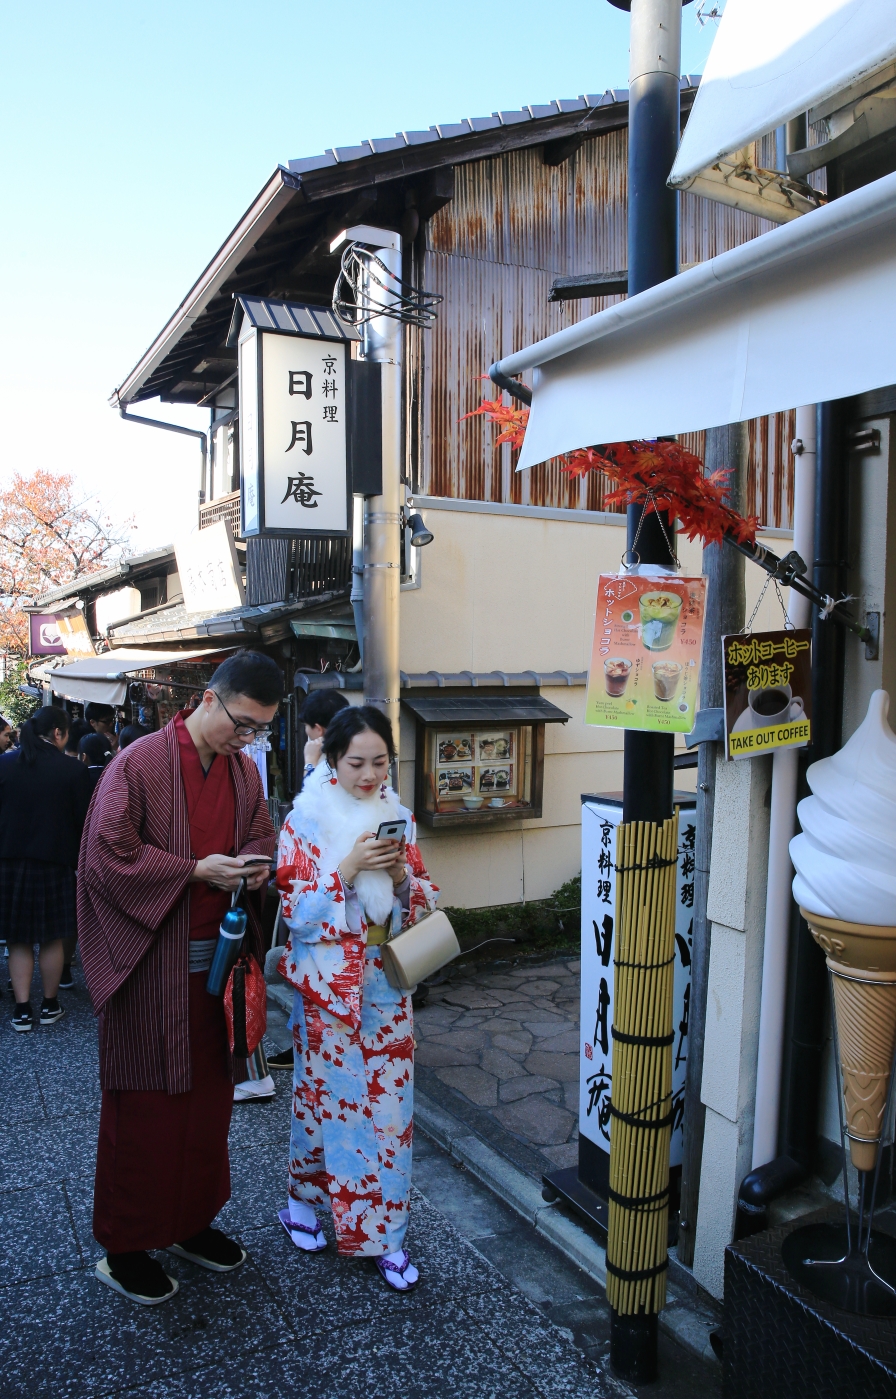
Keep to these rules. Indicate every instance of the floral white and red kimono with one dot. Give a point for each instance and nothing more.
(352, 1113)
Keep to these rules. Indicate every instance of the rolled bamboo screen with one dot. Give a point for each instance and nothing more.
(641, 1107)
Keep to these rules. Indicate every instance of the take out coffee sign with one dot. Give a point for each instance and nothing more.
(645, 660)
(768, 691)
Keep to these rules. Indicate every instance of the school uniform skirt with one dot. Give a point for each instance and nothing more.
(37, 902)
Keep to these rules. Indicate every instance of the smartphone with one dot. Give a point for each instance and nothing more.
(391, 830)
(257, 860)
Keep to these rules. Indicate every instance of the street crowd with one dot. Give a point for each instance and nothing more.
(141, 853)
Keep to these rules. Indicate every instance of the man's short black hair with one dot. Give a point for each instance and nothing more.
(321, 707)
(99, 712)
(249, 673)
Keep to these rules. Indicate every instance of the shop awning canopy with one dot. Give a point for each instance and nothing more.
(774, 59)
(103, 679)
(799, 315)
(485, 709)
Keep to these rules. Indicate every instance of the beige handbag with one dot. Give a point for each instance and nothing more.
(419, 951)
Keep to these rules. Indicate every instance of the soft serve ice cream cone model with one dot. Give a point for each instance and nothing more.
(845, 884)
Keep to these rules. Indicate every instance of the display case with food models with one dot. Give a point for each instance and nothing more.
(479, 759)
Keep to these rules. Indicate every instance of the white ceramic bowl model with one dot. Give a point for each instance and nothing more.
(473, 803)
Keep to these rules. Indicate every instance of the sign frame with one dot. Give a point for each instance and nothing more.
(250, 352)
(649, 627)
(778, 662)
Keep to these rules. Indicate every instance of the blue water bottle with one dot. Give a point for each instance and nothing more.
(230, 939)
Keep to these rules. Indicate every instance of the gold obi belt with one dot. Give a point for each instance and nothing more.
(376, 935)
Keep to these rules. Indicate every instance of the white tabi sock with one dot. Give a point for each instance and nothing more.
(300, 1213)
(410, 1274)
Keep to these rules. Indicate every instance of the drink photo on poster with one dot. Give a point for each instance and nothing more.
(768, 691)
(645, 661)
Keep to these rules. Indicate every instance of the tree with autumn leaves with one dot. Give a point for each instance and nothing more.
(49, 536)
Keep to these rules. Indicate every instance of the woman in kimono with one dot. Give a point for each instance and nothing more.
(344, 894)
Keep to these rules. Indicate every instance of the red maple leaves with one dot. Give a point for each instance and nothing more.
(660, 472)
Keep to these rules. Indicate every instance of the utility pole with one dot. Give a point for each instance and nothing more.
(653, 137)
(381, 344)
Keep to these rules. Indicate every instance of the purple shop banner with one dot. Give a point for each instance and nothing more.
(45, 638)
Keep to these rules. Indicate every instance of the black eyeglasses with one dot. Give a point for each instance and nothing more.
(243, 730)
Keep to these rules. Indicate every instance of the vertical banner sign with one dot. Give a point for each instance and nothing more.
(293, 444)
(768, 691)
(645, 661)
(599, 821)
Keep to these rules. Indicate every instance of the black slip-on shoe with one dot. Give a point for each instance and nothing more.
(284, 1060)
(213, 1250)
(66, 981)
(138, 1277)
(50, 1012)
(22, 1019)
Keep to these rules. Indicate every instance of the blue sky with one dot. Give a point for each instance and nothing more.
(133, 137)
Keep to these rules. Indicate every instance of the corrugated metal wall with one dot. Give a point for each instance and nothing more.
(513, 225)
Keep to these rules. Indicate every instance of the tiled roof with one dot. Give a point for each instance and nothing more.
(445, 131)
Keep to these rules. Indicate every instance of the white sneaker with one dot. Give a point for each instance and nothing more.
(255, 1090)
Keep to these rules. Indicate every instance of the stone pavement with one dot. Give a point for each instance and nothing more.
(499, 1048)
(286, 1323)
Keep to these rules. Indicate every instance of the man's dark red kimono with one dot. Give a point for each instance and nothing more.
(162, 1167)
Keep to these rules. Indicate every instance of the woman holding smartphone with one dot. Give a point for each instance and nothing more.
(351, 876)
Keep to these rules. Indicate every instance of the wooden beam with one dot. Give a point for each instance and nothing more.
(556, 152)
(589, 284)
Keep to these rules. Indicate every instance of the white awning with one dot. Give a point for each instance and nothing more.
(774, 59)
(103, 679)
(802, 314)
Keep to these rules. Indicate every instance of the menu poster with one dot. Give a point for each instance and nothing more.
(768, 691)
(645, 662)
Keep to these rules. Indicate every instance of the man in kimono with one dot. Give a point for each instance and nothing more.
(171, 832)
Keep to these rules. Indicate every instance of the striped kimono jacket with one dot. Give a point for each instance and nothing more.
(134, 907)
(352, 1113)
(162, 1169)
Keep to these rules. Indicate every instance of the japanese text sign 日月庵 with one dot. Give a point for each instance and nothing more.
(645, 661)
(293, 440)
(768, 691)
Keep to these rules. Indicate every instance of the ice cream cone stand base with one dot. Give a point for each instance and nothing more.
(852, 1265)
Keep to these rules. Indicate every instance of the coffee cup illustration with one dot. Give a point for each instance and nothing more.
(774, 704)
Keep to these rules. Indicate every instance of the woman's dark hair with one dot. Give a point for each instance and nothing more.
(321, 707)
(249, 673)
(130, 733)
(96, 748)
(78, 729)
(354, 720)
(32, 733)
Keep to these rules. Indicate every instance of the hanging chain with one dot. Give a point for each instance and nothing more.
(650, 500)
(788, 625)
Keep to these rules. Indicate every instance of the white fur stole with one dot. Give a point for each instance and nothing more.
(340, 819)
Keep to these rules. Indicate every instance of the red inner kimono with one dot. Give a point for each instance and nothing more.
(162, 1170)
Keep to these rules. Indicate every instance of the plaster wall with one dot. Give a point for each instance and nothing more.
(514, 589)
(736, 908)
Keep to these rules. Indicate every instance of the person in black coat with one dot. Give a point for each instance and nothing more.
(95, 753)
(43, 805)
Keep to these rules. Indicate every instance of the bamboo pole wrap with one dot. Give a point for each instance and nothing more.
(637, 1256)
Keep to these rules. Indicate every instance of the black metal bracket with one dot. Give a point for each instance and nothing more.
(709, 727)
(790, 571)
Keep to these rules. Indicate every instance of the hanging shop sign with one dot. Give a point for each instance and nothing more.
(768, 691)
(45, 637)
(75, 633)
(645, 661)
(209, 570)
(294, 459)
(601, 816)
